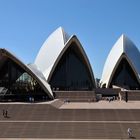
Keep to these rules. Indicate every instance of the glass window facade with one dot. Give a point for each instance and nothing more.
(18, 84)
(71, 73)
(124, 76)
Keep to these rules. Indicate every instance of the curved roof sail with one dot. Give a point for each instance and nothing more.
(123, 48)
(54, 48)
(30, 70)
(73, 43)
(50, 50)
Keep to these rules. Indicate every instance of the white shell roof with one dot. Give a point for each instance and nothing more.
(123, 46)
(32, 69)
(50, 51)
(41, 77)
(79, 46)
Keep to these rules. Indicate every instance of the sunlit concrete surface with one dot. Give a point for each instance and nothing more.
(52, 139)
(102, 105)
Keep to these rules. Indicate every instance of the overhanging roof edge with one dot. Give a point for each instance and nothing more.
(26, 68)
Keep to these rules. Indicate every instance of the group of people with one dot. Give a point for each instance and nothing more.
(66, 101)
(31, 99)
(5, 113)
(112, 98)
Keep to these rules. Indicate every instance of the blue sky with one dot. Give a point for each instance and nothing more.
(26, 24)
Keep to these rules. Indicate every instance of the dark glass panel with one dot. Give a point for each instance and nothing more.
(17, 84)
(71, 73)
(124, 76)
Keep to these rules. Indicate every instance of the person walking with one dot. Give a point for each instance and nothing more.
(3, 112)
(129, 132)
(6, 113)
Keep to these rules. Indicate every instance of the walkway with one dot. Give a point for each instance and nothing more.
(102, 105)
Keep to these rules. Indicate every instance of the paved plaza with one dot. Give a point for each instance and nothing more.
(59, 120)
(102, 105)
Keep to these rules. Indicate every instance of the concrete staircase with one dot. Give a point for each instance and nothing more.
(76, 96)
(45, 121)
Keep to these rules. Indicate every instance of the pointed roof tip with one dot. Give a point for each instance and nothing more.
(126, 42)
(60, 28)
(61, 32)
(121, 40)
(123, 36)
(66, 36)
(124, 39)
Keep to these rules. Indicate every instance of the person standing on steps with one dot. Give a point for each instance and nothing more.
(3, 112)
(6, 113)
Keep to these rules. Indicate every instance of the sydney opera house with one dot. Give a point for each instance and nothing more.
(62, 65)
(122, 67)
